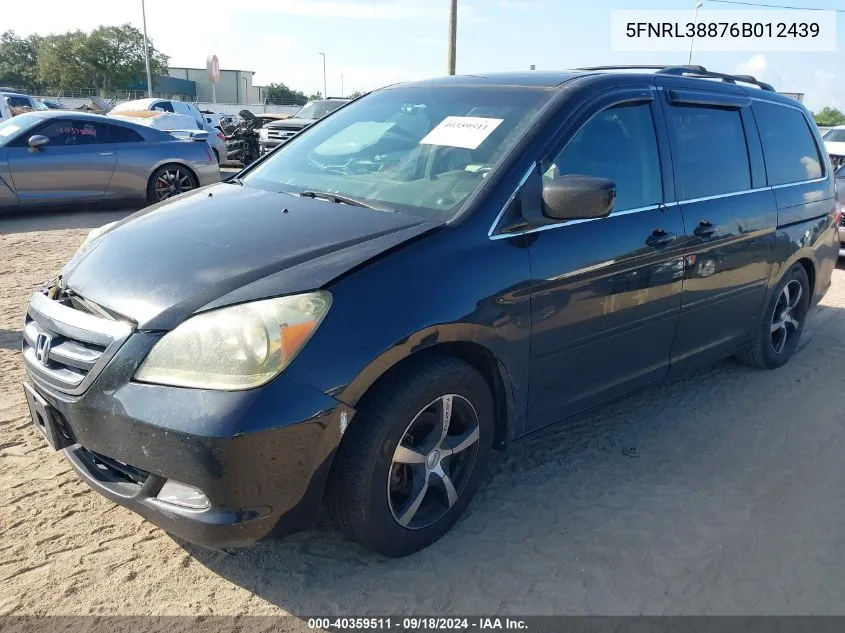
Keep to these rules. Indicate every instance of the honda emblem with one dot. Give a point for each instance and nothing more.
(42, 348)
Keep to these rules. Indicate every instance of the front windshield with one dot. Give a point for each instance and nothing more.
(317, 109)
(835, 136)
(422, 150)
(9, 128)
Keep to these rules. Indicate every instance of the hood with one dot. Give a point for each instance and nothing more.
(225, 244)
(835, 148)
(286, 124)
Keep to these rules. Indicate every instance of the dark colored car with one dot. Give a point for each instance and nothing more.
(280, 132)
(428, 273)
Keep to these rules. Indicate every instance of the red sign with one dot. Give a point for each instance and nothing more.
(213, 66)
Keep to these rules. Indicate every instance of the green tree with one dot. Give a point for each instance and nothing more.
(18, 60)
(109, 58)
(317, 95)
(282, 95)
(828, 117)
(114, 57)
(356, 94)
(61, 61)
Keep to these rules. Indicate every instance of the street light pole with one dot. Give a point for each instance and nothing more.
(341, 84)
(695, 24)
(146, 53)
(453, 32)
(324, 74)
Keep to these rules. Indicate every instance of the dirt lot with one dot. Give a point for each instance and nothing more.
(732, 503)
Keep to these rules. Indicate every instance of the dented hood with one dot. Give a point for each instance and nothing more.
(225, 244)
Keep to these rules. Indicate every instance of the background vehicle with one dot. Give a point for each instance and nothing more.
(215, 137)
(17, 103)
(434, 270)
(56, 157)
(278, 133)
(834, 143)
(242, 138)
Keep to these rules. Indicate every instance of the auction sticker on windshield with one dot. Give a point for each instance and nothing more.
(461, 131)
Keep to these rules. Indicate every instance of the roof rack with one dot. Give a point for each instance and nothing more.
(689, 71)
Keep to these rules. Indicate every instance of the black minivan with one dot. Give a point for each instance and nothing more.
(431, 271)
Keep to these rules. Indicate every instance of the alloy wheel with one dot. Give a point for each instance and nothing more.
(786, 318)
(171, 182)
(433, 461)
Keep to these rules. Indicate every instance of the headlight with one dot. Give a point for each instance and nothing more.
(239, 347)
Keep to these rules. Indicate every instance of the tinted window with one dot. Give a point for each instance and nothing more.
(72, 132)
(618, 144)
(118, 134)
(710, 156)
(163, 105)
(788, 145)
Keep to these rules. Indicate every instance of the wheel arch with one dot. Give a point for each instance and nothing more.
(441, 342)
(168, 163)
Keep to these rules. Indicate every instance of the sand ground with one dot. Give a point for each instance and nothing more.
(732, 503)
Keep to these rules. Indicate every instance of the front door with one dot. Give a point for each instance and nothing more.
(75, 166)
(606, 293)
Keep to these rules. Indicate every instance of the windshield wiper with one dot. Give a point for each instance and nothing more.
(340, 199)
(235, 180)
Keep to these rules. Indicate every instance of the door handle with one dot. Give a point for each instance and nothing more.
(659, 238)
(106, 153)
(704, 229)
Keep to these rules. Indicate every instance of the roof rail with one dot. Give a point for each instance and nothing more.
(690, 71)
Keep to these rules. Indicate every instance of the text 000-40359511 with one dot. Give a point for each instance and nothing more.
(723, 30)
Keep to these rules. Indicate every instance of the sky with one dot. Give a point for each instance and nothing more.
(377, 42)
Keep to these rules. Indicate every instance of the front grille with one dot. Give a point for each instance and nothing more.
(280, 135)
(66, 347)
(837, 160)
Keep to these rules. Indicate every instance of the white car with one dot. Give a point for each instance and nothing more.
(215, 136)
(834, 144)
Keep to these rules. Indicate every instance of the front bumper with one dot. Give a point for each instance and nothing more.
(260, 456)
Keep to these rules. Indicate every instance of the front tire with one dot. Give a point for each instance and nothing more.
(782, 323)
(413, 457)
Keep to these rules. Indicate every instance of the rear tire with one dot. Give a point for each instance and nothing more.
(400, 481)
(782, 323)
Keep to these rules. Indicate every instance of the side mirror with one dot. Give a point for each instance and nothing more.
(38, 141)
(578, 197)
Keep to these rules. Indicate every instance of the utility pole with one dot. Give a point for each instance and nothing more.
(453, 30)
(146, 52)
(324, 74)
(341, 84)
(695, 24)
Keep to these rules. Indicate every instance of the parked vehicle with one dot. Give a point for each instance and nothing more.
(430, 272)
(54, 157)
(834, 143)
(14, 103)
(242, 138)
(280, 132)
(216, 139)
(49, 104)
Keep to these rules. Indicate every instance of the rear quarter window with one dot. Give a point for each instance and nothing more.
(789, 147)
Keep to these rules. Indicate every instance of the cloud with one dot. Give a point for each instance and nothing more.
(756, 66)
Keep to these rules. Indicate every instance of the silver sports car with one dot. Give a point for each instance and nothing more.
(56, 157)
